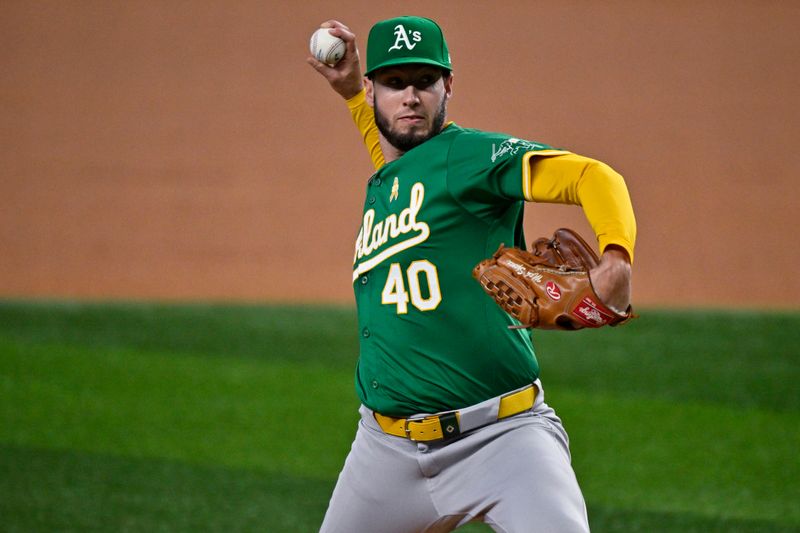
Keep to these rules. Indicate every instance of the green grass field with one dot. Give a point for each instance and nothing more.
(155, 417)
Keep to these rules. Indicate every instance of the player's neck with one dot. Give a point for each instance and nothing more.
(390, 151)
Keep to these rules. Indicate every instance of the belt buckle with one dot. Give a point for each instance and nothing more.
(406, 430)
(447, 423)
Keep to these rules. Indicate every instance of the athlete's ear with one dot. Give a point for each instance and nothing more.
(370, 95)
(448, 85)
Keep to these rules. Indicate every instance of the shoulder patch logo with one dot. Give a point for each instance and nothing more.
(512, 146)
(395, 190)
(403, 38)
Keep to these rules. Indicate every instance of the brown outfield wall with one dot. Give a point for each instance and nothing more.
(185, 150)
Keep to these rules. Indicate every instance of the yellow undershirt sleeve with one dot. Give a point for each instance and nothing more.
(364, 118)
(595, 186)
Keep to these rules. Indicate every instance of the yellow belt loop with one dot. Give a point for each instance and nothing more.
(517, 402)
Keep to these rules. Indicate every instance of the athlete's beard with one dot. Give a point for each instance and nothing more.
(406, 141)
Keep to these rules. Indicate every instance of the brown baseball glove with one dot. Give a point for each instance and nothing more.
(548, 287)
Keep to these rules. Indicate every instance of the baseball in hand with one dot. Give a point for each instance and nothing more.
(327, 48)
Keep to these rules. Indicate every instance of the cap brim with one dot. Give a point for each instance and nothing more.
(408, 61)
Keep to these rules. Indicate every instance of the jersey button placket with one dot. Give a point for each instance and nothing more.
(364, 289)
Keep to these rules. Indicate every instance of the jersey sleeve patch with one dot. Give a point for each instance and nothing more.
(512, 146)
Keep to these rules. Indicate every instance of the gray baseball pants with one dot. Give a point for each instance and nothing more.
(514, 474)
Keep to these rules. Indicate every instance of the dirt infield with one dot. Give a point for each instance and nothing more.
(185, 150)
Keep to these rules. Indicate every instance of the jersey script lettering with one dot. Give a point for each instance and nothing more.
(374, 235)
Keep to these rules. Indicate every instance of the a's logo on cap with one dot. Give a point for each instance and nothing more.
(403, 38)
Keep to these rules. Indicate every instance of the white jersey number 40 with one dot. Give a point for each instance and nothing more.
(394, 292)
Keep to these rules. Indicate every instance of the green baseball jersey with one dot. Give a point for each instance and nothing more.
(430, 339)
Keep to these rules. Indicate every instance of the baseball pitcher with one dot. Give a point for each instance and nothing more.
(454, 427)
